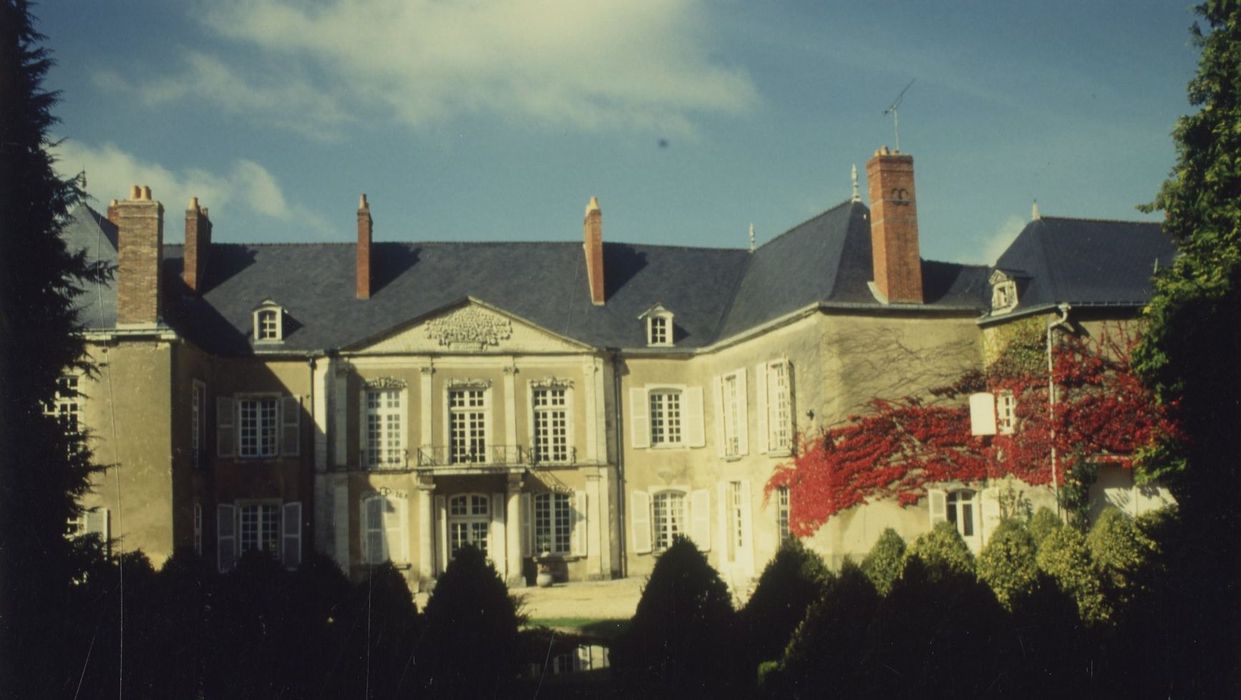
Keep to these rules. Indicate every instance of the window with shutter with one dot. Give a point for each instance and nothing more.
(226, 536)
(291, 550)
(640, 521)
(225, 426)
(668, 518)
(639, 417)
(700, 523)
(290, 426)
(553, 523)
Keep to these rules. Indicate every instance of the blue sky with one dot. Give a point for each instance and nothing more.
(690, 120)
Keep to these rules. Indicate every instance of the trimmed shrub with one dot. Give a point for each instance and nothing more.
(469, 646)
(826, 649)
(794, 579)
(1066, 559)
(885, 560)
(684, 635)
(942, 552)
(1121, 552)
(1044, 522)
(1007, 563)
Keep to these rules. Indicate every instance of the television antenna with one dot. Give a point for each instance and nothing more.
(896, 122)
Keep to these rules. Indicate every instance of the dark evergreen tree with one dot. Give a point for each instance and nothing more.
(42, 469)
(885, 560)
(1189, 355)
(792, 580)
(825, 653)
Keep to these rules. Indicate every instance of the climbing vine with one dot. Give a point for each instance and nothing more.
(897, 448)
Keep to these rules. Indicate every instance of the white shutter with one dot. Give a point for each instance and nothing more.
(226, 536)
(527, 526)
(742, 409)
(639, 417)
(717, 409)
(700, 519)
(760, 405)
(371, 511)
(745, 557)
(291, 553)
(937, 505)
(225, 426)
(394, 524)
(721, 524)
(441, 519)
(578, 537)
(97, 523)
(982, 413)
(290, 426)
(640, 521)
(989, 505)
(694, 433)
(496, 547)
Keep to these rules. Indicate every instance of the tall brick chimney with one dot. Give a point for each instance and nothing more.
(140, 241)
(592, 233)
(197, 246)
(894, 227)
(366, 227)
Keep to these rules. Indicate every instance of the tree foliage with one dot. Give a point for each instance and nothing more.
(1007, 563)
(885, 560)
(43, 469)
(794, 579)
(900, 447)
(942, 552)
(826, 650)
(1064, 557)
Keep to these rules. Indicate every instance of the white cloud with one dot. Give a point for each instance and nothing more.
(248, 185)
(993, 245)
(586, 65)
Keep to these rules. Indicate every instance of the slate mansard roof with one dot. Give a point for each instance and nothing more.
(715, 293)
(1085, 262)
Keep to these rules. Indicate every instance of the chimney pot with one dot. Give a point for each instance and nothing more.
(135, 192)
(146, 193)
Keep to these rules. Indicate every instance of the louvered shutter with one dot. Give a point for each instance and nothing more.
(225, 426)
(578, 537)
(394, 519)
(226, 536)
(760, 406)
(700, 519)
(640, 417)
(290, 426)
(717, 410)
(721, 523)
(291, 553)
(982, 413)
(496, 547)
(937, 505)
(640, 521)
(694, 434)
(745, 557)
(527, 526)
(742, 409)
(989, 505)
(441, 519)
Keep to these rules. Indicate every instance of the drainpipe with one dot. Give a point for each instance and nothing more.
(619, 430)
(1063, 310)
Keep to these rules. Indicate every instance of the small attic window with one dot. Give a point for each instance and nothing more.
(658, 326)
(1003, 293)
(269, 322)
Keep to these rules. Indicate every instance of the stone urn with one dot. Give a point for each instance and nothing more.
(544, 577)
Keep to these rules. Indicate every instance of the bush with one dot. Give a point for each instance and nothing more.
(942, 552)
(1065, 558)
(885, 560)
(1007, 563)
(826, 649)
(1044, 522)
(1121, 553)
(684, 635)
(469, 646)
(794, 579)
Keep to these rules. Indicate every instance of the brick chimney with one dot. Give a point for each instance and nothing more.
(592, 233)
(894, 227)
(113, 215)
(140, 241)
(366, 227)
(197, 246)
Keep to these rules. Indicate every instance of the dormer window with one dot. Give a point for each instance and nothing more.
(1003, 292)
(658, 326)
(269, 322)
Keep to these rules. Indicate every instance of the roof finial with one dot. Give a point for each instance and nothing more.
(752, 245)
(1034, 215)
(853, 175)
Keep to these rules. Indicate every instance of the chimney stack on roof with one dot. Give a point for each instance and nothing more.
(592, 234)
(140, 241)
(197, 246)
(894, 227)
(366, 227)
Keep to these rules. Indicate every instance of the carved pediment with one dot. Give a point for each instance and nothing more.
(470, 327)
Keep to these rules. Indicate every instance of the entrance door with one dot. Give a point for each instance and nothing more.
(469, 522)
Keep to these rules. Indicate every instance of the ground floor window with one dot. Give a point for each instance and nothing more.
(668, 508)
(553, 522)
(960, 511)
(469, 521)
(260, 527)
(782, 514)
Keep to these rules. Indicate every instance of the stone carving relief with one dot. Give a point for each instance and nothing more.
(470, 327)
(385, 383)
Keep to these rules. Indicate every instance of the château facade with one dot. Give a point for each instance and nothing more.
(571, 406)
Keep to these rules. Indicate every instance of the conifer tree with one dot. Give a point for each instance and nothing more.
(43, 468)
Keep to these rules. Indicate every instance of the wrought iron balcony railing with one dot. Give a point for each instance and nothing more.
(451, 456)
(555, 456)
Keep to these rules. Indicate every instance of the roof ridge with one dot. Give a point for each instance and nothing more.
(794, 227)
(1100, 221)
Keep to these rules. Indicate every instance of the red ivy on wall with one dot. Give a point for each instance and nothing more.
(898, 448)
